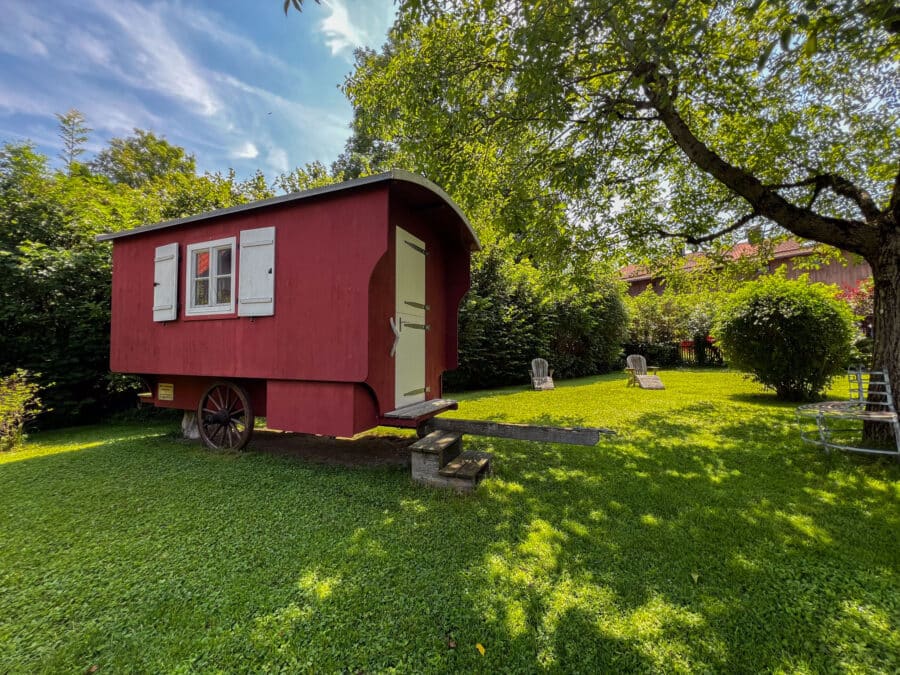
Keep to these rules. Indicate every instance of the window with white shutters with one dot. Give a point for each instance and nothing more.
(210, 278)
(256, 286)
(165, 283)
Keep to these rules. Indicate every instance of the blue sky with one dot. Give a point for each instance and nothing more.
(235, 82)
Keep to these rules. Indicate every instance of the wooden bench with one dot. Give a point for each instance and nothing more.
(871, 401)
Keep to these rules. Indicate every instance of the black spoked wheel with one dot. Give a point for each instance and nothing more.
(225, 417)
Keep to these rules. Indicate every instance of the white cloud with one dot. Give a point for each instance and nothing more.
(246, 150)
(152, 59)
(95, 49)
(278, 160)
(210, 25)
(22, 32)
(340, 33)
(298, 112)
(132, 64)
(14, 101)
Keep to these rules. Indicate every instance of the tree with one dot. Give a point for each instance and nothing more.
(363, 154)
(26, 210)
(313, 175)
(73, 131)
(55, 277)
(660, 120)
(141, 158)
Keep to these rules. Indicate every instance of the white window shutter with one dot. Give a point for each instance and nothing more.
(256, 281)
(165, 283)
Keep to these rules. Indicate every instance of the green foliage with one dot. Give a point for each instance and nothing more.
(57, 324)
(501, 329)
(55, 278)
(792, 336)
(73, 132)
(506, 320)
(659, 354)
(140, 158)
(27, 209)
(413, 109)
(19, 404)
(588, 330)
(126, 549)
(567, 129)
(313, 175)
(672, 316)
(528, 106)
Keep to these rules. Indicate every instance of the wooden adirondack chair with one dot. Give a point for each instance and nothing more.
(541, 375)
(641, 375)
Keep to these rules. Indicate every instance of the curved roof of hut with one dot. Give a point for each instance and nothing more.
(421, 191)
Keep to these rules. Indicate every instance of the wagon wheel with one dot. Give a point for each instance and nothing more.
(224, 416)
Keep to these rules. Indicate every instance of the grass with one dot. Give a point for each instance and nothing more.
(704, 536)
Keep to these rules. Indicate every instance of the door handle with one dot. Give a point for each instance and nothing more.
(396, 329)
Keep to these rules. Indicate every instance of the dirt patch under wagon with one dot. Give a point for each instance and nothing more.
(373, 450)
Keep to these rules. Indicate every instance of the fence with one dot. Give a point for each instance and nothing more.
(699, 353)
(672, 354)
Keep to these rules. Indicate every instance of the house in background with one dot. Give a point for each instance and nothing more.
(846, 274)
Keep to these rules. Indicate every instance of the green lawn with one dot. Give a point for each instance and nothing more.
(704, 536)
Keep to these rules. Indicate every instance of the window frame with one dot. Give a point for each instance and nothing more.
(190, 309)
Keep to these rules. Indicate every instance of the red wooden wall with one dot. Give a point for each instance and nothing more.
(324, 354)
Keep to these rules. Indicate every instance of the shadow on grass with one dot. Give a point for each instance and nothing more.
(152, 555)
(781, 541)
(769, 399)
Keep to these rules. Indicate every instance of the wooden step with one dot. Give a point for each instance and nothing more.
(436, 443)
(468, 465)
(431, 453)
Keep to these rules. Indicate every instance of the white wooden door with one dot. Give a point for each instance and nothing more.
(410, 320)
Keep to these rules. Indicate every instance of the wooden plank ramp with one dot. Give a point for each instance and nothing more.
(519, 432)
(437, 458)
(416, 410)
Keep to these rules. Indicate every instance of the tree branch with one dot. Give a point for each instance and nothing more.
(843, 187)
(840, 186)
(850, 235)
(802, 183)
(695, 241)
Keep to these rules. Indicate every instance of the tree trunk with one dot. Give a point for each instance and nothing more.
(886, 353)
(886, 274)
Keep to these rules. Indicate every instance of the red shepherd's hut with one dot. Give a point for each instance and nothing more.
(328, 311)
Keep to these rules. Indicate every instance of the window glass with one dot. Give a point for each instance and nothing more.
(223, 290)
(201, 292)
(201, 263)
(211, 277)
(223, 261)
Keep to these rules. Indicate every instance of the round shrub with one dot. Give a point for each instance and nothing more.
(791, 336)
